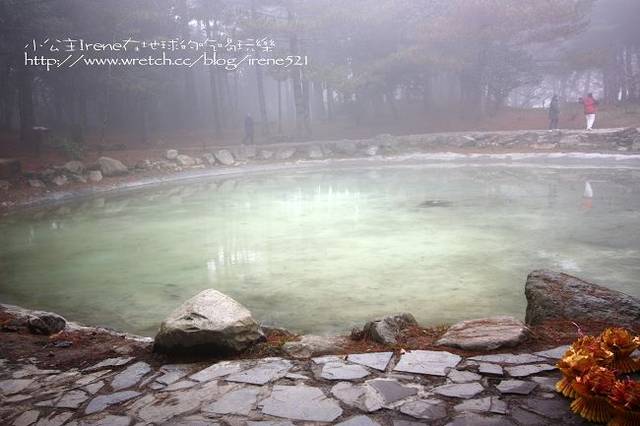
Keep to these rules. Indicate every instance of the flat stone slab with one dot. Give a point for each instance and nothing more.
(130, 376)
(473, 419)
(72, 399)
(27, 418)
(215, 371)
(489, 404)
(90, 378)
(359, 421)
(429, 409)
(173, 373)
(343, 371)
(547, 384)
(93, 388)
(463, 390)
(182, 384)
(555, 353)
(427, 362)
(528, 369)
(9, 387)
(240, 402)
(518, 387)
(391, 390)
(527, 418)
(31, 370)
(375, 360)
(458, 376)
(301, 403)
(363, 397)
(488, 368)
(271, 423)
(101, 402)
(550, 408)
(262, 373)
(162, 407)
(327, 358)
(102, 420)
(485, 334)
(110, 362)
(509, 358)
(55, 419)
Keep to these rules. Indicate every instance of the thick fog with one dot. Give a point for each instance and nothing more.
(117, 72)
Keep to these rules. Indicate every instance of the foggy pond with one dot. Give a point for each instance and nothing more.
(320, 251)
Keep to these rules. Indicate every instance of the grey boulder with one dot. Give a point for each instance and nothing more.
(40, 322)
(95, 176)
(185, 161)
(76, 167)
(387, 329)
(171, 154)
(225, 157)
(555, 296)
(209, 321)
(485, 334)
(111, 167)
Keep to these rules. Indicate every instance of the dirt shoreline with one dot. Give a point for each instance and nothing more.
(80, 346)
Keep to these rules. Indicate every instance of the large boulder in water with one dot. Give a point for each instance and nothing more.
(553, 296)
(209, 321)
(112, 167)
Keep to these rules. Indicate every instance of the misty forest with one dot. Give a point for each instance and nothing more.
(305, 212)
(373, 66)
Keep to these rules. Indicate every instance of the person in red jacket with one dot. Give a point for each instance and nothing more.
(590, 109)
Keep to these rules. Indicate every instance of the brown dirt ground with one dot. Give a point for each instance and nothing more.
(90, 347)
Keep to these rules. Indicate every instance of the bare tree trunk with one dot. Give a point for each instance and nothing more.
(25, 107)
(5, 105)
(296, 81)
(260, 83)
(330, 103)
(279, 106)
(320, 112)
(213, 86)
(300, 85)
(306, 105)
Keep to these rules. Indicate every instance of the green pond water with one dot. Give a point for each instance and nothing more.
(321, 251)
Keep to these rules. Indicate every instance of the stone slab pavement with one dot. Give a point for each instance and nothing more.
(413, 388)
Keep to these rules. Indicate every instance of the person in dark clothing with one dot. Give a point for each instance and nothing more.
(248, 129)
(554, 113)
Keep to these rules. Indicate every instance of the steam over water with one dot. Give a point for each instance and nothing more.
(323, 251)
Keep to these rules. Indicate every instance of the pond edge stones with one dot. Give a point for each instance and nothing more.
(485, 334)
(555, 296)
(210, 322)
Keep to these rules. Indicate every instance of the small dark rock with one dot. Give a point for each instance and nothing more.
(62, 344)
(357, 334)
(40, 322)
(387, 329)
(435, 203)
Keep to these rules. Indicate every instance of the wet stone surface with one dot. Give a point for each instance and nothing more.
(417, 387)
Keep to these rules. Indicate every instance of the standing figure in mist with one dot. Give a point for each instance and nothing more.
(248, 129)
(590, 108)
(554, 113)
